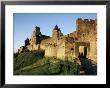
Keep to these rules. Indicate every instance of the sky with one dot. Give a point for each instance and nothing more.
(24, 24)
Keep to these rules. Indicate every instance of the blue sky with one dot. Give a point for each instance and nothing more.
(24, 24)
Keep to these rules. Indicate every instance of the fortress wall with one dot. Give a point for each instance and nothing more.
(36, 47)
(42, 46)
(51, 51)
(93, 51)
(92, 37)
(73, 34)
(60, 40)
(61, 51)
(69, 51)
(69, 48)
(61, 48)
(45, 41)
(33, 47)
(48, 41)
(29, 47)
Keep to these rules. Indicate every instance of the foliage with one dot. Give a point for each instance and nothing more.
(32, 63)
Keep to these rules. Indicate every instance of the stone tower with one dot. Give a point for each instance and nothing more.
(35, 38)
(56, 33)
(87, 32)
(27, 42)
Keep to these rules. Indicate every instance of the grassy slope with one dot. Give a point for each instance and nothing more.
(26, 59)
(32, 63)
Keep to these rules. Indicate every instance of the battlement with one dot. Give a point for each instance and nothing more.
(81, 21)
(51, 44)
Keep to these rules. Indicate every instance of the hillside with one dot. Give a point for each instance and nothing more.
(34, 63)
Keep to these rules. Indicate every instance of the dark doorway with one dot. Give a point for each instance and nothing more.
(85, 51)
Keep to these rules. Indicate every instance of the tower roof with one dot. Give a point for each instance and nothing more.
(56, 27)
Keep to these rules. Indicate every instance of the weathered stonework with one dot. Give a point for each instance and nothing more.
(67, 47)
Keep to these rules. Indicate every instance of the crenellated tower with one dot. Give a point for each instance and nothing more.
(85, 27)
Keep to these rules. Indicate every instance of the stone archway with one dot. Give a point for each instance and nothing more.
(82, 47)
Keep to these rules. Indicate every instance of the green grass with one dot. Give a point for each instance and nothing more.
(33, 63)
(27, 58)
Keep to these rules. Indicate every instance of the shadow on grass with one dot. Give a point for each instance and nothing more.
(88, 66)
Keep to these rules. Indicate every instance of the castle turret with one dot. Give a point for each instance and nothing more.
(27, 42)
(35, 38)
(56, 32)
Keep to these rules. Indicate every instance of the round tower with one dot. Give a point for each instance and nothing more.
(56, 32)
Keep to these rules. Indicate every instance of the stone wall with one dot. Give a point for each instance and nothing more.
(73, 35)
(61, 48)
(33, 47)
(69, 48)
(51, 51)
(87, 32)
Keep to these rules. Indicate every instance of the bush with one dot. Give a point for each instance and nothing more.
(27, 58)
(54, 68)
